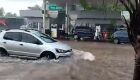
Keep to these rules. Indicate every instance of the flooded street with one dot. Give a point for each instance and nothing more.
(91, 61)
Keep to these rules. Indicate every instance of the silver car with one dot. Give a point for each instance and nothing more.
(31, 43)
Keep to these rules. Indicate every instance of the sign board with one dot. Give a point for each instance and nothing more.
(53, 14)
(54, 7)
(52, 10)
(126, 15)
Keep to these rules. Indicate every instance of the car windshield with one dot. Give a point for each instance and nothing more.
(45, 37)
(83, 29)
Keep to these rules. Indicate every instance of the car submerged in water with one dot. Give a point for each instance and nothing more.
(120, 36)
(31, 43)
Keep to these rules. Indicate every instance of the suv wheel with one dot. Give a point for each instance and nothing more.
(3, 52)
(48, 56)
(116, 41)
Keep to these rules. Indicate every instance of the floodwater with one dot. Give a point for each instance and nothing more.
(91, 61)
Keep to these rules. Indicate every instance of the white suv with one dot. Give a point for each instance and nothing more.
(31, 43)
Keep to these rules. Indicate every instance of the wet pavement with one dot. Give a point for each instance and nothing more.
(91, 61)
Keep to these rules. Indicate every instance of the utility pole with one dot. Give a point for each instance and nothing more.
(44, 15)
(46, 19)
(66, 18)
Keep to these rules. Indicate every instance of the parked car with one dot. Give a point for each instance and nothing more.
(82, 32)
(120, 36)
(30, 43)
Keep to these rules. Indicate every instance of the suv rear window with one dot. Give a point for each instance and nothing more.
(15, 36)
(85, 29)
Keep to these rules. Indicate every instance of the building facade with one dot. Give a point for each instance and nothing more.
(34, 18)
(97, 18)
(104, 19)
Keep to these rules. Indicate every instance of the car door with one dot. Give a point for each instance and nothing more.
(30, 45)
(11, 42)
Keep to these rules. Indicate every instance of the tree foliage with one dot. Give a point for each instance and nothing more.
(36, 7)
(113, 5)
(85, 5)
(10, 15)
(1, 12)
(133, 27)
(133, 24)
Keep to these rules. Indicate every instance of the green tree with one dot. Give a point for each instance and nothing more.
(10, 15)
(84, 4)
(115, 6)
(133, 27)
(112, 5)
(1, 12)
(36, 7)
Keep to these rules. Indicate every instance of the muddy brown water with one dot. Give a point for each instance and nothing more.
(112, 62)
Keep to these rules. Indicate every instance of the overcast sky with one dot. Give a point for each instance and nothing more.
(15, 5)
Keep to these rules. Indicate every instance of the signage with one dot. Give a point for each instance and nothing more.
(53, 14)
(126, 15)
(54, 7)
